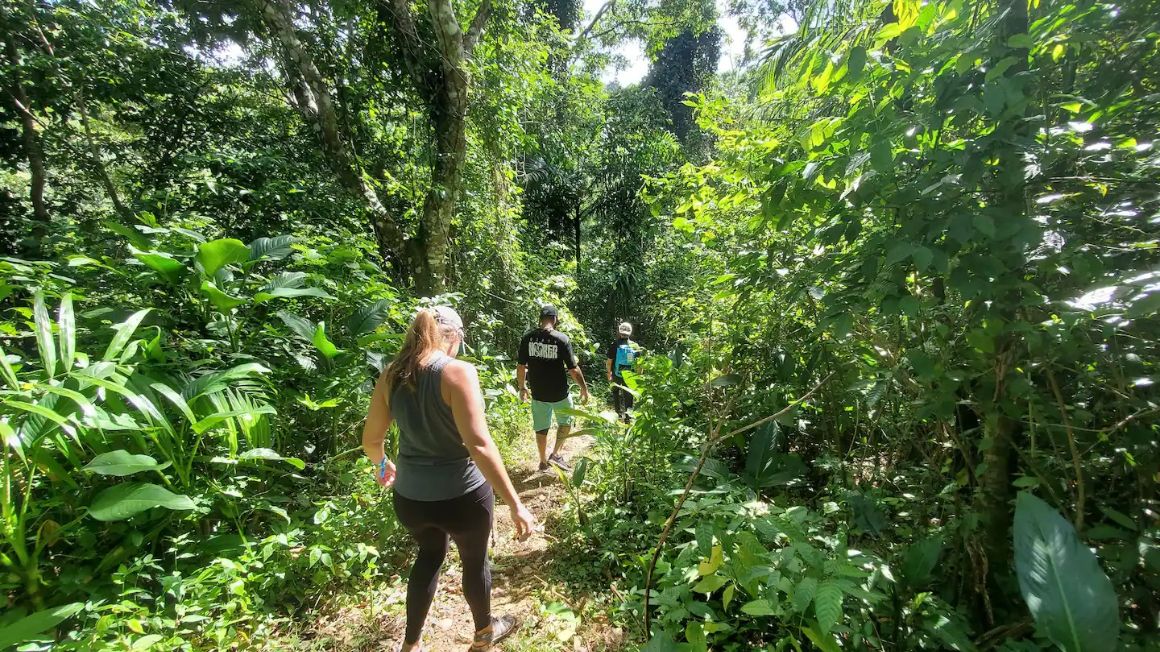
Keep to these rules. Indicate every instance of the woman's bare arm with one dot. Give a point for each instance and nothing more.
(461, 390)
(375, 429)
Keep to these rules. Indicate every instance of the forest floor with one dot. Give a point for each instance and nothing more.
(528, 580)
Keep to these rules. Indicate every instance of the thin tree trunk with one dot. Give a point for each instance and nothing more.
(313, 100)
(1000, 429)
(31, 140)
(98, 164)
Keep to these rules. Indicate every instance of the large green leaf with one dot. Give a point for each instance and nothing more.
(369, 317)
(7, 371)
(828, 605)
(275, 248)
(124, 500)
(44, 340)
(1067, 592)
(216, 254)
(66, 323)
(30, 627)
(123, 332)
(322, 343)
(298, 324)
(920, 559)
(286, 293)
(220, 300)
(166, 266)
(122, 462)
(272, 456)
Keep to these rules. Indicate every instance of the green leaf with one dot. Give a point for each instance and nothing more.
(709, 584)
(12, 440)
(30, 627)
(121, 463)
(920, 559)
(828, 605)
(37, 409)
(8, 372)
(824, 642)
(167, 267)
(580, 472)
(123, 332)
(1021, 41)
(881, 156)
(298, 324)
(985, 225)
(324, 345)
(804, 594)
(146, 642)
(369, 317)
(726, 380)
(275, 248)
(922, 257)
(124, 500)
(272, 456)
(286, 293)
(1069, 596)
(713, 564)
(1144, 306)
(660, 642)
(66, 324)
(758, 608)
(727, 596)
(856, 61)
(220, 300)
(44, 340)
(216, 254)
(898, 252)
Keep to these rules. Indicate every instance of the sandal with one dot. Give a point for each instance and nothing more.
(499, 629)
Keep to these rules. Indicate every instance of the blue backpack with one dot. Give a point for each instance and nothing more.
(625, 356)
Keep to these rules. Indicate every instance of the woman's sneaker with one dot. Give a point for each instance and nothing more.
(500, 628)
(558, 460)
(544, 466)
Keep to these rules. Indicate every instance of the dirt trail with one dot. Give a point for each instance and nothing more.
(552, 617)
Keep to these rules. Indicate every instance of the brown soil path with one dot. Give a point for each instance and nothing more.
(553, 619)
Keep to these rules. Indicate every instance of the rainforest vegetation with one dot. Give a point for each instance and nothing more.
(894, 270)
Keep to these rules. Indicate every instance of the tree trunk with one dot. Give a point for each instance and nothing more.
(31, 141)
(440, 77)
(439, 205)
(313, 100)
(999, 428)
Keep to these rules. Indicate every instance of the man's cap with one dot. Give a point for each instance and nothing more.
(549, 311)
(625, 328)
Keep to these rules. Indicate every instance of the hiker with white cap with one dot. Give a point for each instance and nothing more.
(545, 360)
(445, 471)
(621, 356)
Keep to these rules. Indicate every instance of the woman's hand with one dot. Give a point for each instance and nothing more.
(385, 473)
(523, 520)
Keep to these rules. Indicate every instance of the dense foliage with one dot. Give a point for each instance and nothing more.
(895, 280)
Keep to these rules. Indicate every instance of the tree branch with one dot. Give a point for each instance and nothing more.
(475, 30)
(607, 7)
(409, 47)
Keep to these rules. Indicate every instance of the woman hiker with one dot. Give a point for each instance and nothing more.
(446, 469)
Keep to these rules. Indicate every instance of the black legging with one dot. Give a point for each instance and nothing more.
(466, 519)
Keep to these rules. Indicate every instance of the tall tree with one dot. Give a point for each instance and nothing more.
(438, 72)
(30, 135)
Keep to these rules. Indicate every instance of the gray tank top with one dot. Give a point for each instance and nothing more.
(433, 463)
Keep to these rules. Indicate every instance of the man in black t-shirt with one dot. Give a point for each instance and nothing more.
(545, 359)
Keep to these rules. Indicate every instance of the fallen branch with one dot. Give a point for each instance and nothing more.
(715, 437)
